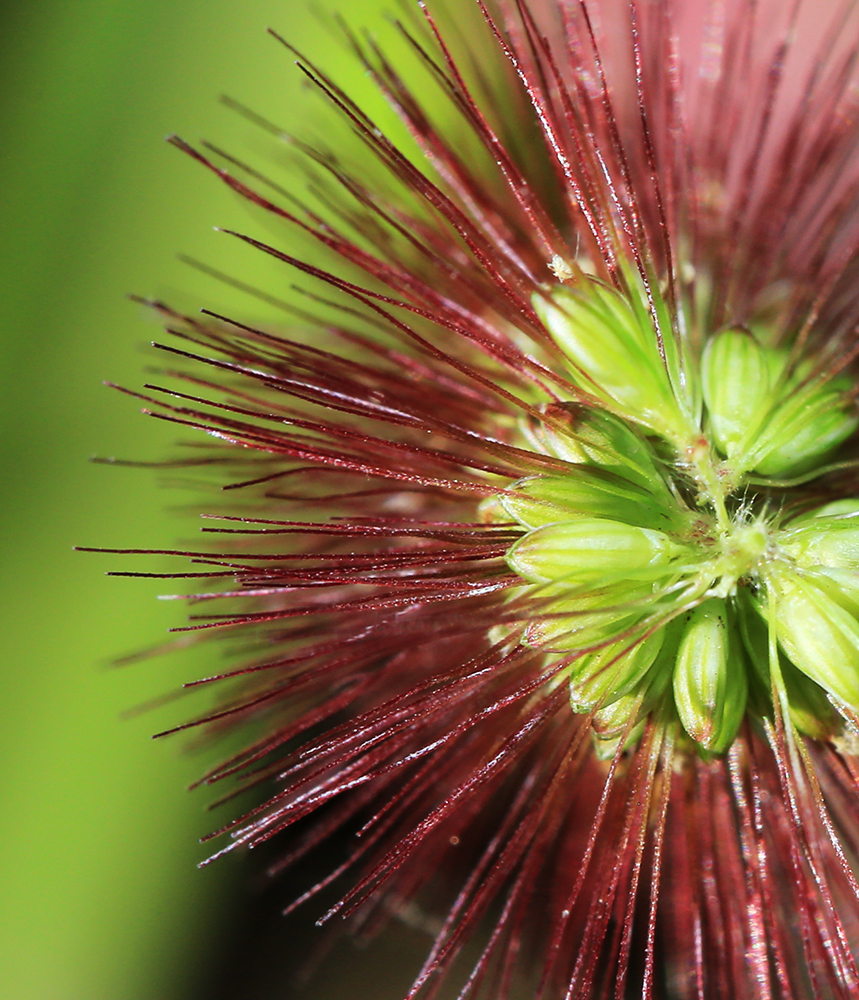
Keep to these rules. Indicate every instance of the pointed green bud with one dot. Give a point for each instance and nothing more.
(592, 550)
(763, 419)
(841, 585)
(611, 721)
(824, 541)
(593, 492)
(736, 377)
(606, 743)
(570, 623)
(810, 710)
(710, 683)
(801, 429)
(614, 671)
(817, 634)
(588, 435)
(615, 354)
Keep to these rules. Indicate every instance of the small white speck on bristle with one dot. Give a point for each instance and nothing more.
(561, 269)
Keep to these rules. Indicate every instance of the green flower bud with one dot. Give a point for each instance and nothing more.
(817, 635)
(800, 431)
(611, 721)
(593, 550)
(824, 541)
(710, 683)
(763, 421)
(841, 585)
(590, 619)
(810, 710)
(606, 743)
(603, 677)
(589, 435)
(594, 492)
(616, 355)
(736, 376)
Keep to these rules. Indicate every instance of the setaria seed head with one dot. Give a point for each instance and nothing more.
(536, 567)
(685, 522)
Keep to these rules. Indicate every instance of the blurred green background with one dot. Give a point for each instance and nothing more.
(99, 894)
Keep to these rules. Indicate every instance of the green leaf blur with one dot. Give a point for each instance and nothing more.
(99, 895)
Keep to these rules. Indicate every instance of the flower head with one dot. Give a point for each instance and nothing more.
(544, 540)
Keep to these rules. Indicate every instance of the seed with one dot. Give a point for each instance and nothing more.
(592, 549)
(735, 372)
(615, 355)
(603, 677)
(710, 682)
(595, 492)
(801, 430)
(817, 634)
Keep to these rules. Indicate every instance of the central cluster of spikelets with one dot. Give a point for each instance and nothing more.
(661, 563)
(540, 539)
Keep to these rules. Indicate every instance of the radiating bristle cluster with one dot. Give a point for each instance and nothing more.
(543, 531)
